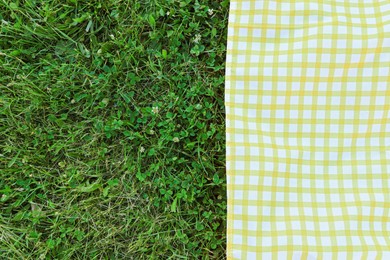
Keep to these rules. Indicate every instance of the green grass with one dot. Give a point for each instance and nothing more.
(112, 136)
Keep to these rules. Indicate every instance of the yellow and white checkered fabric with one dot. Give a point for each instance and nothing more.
(308, 129)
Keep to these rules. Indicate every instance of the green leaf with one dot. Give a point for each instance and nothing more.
(105, 191)
(90, 188)
(62, 164)
(197, 49)
(151, 152)
(225, 3)
(161, 12)
(127, 96)
(89, 25)
(113, 182)
(170, 115)
(173, 205)
(140, 176)
(13, 160)
(216, 178)
(127, 133)
(183, 4)
(13, 6)
(6, 190)
(170, 33)
(199, 226)
(19, 216)
(213, 32)
(191, 145)
(51, 243)
(152, 21)
(79, 235)
(80, 97)
(34, 235)
(164, 53)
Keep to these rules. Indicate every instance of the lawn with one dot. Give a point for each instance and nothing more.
(112, 129)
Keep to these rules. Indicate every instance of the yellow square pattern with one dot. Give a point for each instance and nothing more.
(308, 129)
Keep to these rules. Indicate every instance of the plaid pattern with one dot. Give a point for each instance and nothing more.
(308, 129)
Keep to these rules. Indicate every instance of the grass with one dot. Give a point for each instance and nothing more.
(112, 136)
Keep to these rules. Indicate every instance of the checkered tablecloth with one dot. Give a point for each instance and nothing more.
(308, 129)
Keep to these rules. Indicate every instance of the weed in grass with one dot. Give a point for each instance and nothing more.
(112, 130)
